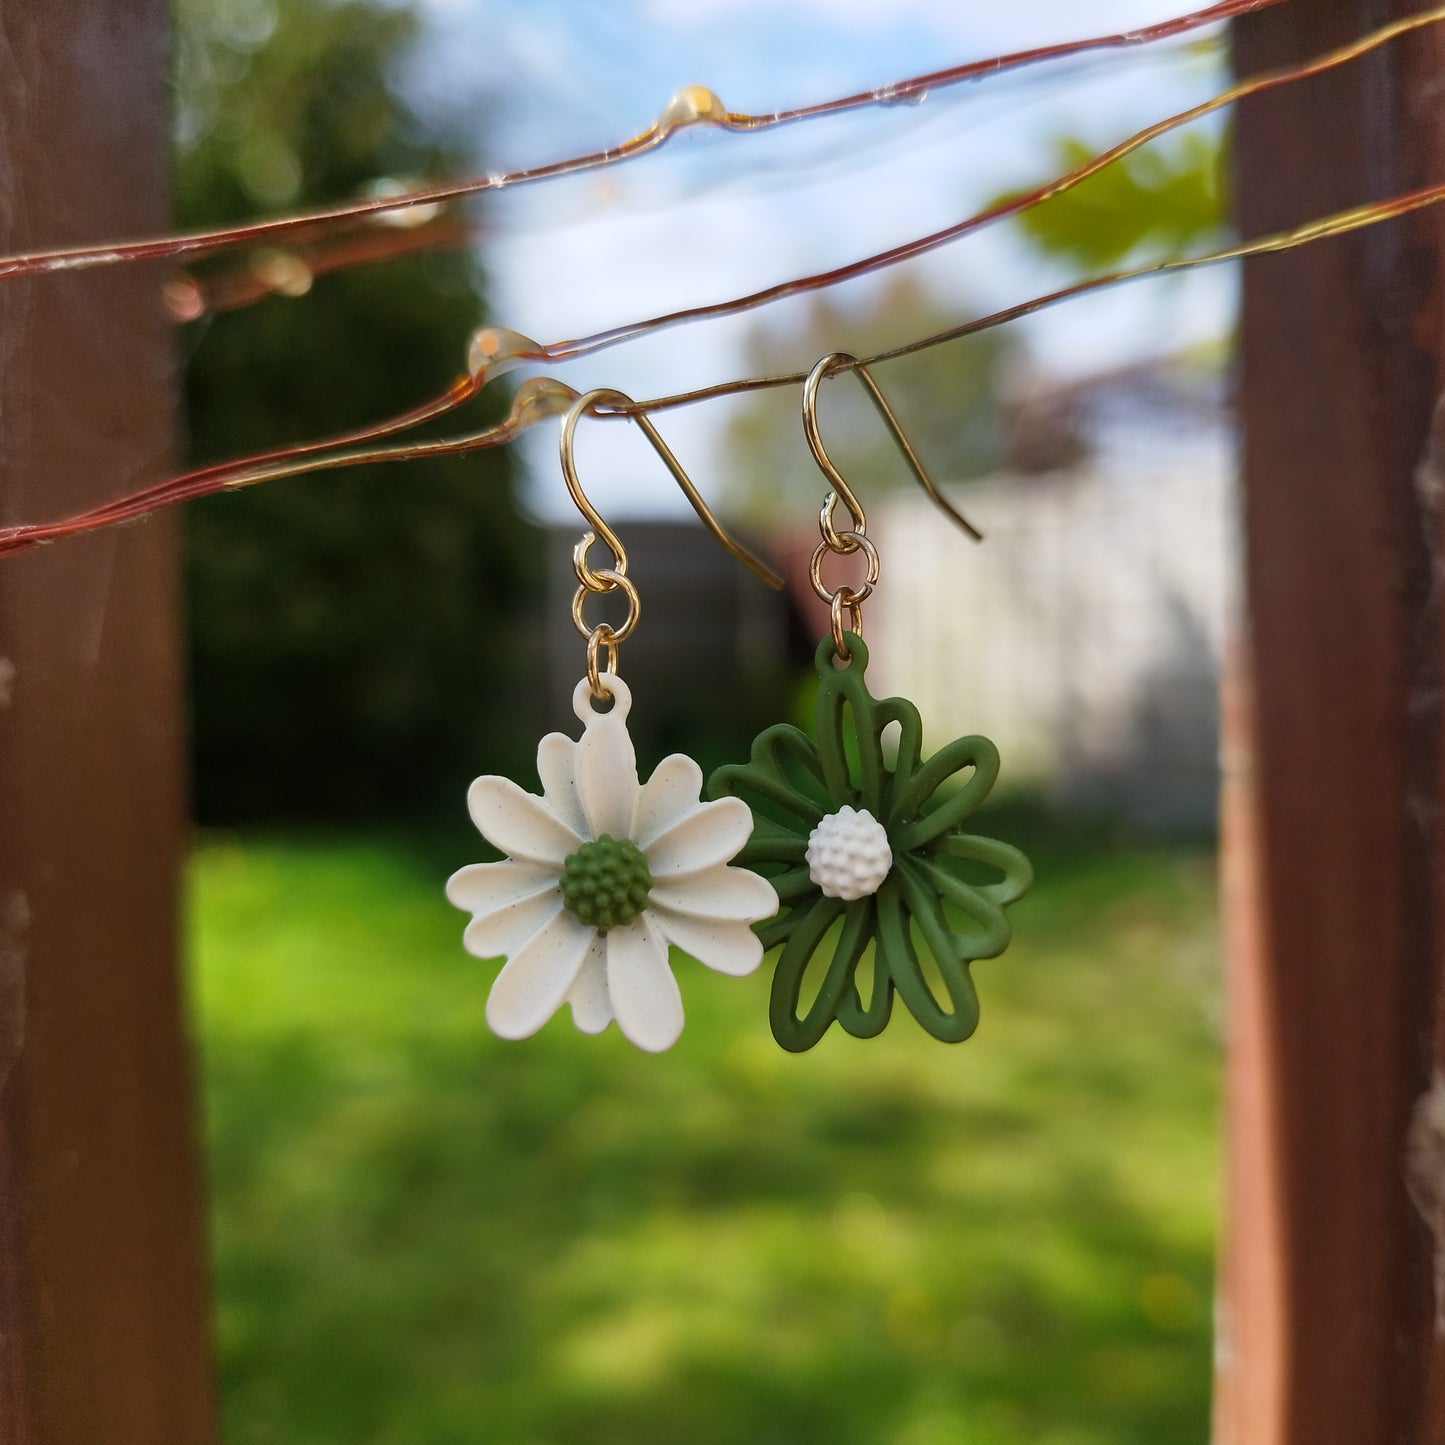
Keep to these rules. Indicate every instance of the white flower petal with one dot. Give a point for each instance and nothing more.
(607, 775)
(483, 887)
(711, 834)
(591, 1008)
(644, 994)
(668, 796)
(720, 893)
(725, 946)
(538, 977)
(500, 933)
(556, 755)
(518, 822)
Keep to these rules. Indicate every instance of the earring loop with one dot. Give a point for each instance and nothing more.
(837, 361)
(825, 366)
(610, 396)
(592, 579)
(600, 531)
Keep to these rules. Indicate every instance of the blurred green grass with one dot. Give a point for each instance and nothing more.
(424, 1235)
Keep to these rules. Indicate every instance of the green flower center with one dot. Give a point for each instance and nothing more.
(606, 882)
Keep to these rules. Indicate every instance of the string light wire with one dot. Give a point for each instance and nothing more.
(541, 396)
(691, 106)
(497, 350)
(1011, 206)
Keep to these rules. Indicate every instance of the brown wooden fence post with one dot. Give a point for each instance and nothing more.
(1335, 797)
(102, 1278)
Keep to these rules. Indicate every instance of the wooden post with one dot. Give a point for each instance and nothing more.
(102, 1279)
(1335, 791)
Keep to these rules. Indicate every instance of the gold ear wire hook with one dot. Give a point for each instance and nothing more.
(839, 361)
(586, 402)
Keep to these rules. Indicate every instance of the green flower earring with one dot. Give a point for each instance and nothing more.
(852, 825)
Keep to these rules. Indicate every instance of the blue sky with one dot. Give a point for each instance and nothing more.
(713, 215)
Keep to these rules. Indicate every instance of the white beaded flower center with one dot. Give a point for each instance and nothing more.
(848, 854)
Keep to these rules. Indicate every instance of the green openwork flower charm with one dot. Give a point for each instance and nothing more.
(842, 832)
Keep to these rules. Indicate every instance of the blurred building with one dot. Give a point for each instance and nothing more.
(1085, 634)
(709, 664)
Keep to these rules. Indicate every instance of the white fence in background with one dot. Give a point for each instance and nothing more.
(1085, 634)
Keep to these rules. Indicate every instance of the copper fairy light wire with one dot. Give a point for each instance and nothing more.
(542, 396)
(291, 272)
(1339, 223)
(691, 106)
(496, 349)
(1013, 206)
(315, 250)
(574, 348)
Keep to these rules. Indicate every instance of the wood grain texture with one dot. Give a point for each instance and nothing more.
(103, 1311)
(1337, 933)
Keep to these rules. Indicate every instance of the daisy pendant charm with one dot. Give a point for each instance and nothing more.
(867, 846)
(602, 874)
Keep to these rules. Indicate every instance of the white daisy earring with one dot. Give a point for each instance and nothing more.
(605, 873)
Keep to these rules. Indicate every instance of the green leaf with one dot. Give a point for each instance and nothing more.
(1167, 198)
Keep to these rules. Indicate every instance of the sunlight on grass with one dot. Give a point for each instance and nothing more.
(424, 1235)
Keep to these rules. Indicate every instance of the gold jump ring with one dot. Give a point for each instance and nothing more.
(843, 598)
(601, 636)
(614, 581)
(851, 542)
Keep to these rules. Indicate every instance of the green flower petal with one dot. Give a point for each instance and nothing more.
(798, 1034)
(794, 885)
(842, 693)
(771, 843)
(1018, 872)
(910, 743)
(775, 930)
(868, 1021)
(993, 934)
(913, 823)
(783, 770)
(927, 910)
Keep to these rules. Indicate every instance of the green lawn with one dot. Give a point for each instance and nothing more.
(426, 1236)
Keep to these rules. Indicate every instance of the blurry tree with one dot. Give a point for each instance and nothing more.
(342, 625)
(1167, 198)
(943, 397)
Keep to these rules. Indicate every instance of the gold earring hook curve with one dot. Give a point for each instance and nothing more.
(587, 402)
(840, 361)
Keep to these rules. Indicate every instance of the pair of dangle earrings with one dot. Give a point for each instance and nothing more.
(846, 847)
